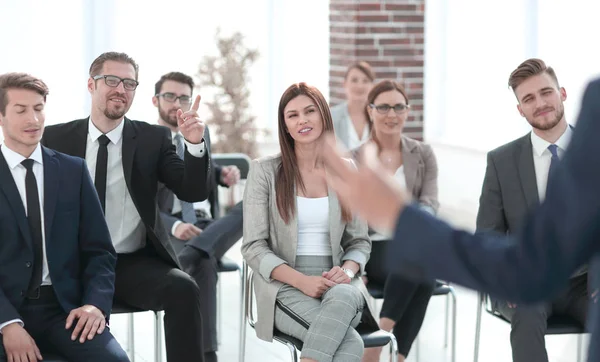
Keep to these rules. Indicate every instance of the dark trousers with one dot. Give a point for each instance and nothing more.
(198, 258)
(529, 323)
(143, 280)
(219, 235)
(45, 320)
(404, 301)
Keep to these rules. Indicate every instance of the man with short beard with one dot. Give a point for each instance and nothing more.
(198, 233)
(515, 182)
(127, 159)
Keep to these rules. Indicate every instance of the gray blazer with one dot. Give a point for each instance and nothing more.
(420, 171)
(342, 124)
(509, 189)
(269, 242)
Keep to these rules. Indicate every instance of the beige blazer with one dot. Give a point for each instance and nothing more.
(420, 171)
(269, 242)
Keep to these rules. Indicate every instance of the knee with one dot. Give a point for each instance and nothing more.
(184, 288)
(351, 348)
(345, 293)
(527, 318)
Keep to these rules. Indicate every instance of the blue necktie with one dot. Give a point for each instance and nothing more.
(553, 161)
(188, 215)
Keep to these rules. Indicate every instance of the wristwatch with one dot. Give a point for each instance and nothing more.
(349, 273)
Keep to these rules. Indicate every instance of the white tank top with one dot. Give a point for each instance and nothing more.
(313, 226)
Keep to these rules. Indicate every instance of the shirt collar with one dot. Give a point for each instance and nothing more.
(114, 136)
(540, 145)
(14, 159)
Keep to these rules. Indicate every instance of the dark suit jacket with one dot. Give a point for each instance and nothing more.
(509, 188)
(534, 263)
(81, 257)
(149, 157)
(165, 196)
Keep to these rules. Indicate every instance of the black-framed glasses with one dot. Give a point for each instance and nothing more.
(385, 108)
(114, 81)
(172, 98)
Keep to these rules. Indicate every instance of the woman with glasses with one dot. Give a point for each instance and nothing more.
(349, 120)
(304, 247)
(414, 165)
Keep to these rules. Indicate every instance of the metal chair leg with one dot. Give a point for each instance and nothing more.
(579, 347)
(447, 320)
(394, 348)
(130, 337)
(293, 352)
(242, 351)
(219, 316)
(158, 336)
(478, 327)
(453, 324)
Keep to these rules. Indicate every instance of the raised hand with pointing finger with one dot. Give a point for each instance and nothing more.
(190, 125)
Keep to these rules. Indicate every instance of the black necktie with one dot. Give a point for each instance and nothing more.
(101, 165)
(34, 218)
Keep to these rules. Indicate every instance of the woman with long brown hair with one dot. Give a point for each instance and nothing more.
(414, 165)
(305, 249)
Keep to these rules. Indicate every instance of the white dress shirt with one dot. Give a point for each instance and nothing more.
(18, 172)
(353, 140)
(125, 225)
(542, 157)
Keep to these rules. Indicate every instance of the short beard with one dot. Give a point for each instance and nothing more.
(548, 126)
(164, 115)
(114, 115)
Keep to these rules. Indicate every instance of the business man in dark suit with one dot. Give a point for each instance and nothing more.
(198, 239)
(515, 181)
(57, 262)
(528, 266)
(127, 159)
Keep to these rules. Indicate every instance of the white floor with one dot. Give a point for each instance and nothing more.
(495, 346)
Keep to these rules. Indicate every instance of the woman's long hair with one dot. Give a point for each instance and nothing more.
(288, 172)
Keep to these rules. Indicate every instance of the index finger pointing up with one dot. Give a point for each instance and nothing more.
(196, 104)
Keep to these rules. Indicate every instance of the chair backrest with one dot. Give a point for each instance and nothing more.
(557, 324)
(241, 160)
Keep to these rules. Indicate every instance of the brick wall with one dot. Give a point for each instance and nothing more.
(389, 34)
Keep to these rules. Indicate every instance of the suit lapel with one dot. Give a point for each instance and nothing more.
(9, 187)
(336, 226)
(51, 182)
(128, 149)
(527, 173)
(411, 162)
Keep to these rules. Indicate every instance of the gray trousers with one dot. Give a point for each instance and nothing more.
(325, 325)
(529, 323)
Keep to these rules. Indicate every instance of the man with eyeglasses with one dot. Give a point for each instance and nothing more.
(127, 159)
(200, 237)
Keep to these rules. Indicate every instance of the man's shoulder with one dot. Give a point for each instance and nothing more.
(507, 150)
(64, 159)
(63, 127)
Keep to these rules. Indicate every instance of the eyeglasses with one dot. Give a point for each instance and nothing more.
(172, 98)
(385, 108)
(114, 81)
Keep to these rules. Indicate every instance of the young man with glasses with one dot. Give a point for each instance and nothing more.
(128, 159)
(197, 237)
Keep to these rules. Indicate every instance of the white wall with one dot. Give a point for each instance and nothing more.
(471, 48)
(58, 46)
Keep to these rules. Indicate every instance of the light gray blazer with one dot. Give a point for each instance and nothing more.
(269, 242)
(342, 124)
